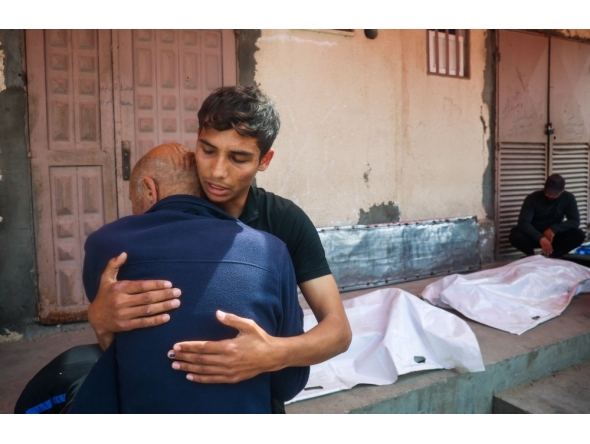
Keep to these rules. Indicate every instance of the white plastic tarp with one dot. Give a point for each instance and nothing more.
(393, 333)
(515, 297)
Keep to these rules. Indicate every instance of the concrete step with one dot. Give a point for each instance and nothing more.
(567, 391)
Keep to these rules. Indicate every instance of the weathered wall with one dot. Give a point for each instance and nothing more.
(577, 34)
(365, 131)
(18, 294)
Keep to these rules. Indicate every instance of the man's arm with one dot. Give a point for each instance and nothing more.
(572, 216)
(253, 351)
(127, 305)
(525, 219)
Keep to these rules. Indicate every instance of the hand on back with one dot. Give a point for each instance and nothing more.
(127, 305)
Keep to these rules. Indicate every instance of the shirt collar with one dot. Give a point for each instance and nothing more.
(189, 204)
(250, 212)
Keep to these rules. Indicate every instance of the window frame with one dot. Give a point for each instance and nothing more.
(466, 54)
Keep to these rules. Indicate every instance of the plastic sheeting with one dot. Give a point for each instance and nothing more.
(393, 333)
(515, 297)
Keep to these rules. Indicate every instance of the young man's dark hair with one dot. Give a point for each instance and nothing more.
(245, 109)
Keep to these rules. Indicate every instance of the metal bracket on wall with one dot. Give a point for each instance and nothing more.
(126, 159)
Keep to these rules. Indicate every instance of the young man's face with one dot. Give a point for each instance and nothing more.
(227, 163)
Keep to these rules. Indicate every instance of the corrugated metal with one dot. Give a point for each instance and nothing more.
(572, 162)
(522, 170)
(365, 256)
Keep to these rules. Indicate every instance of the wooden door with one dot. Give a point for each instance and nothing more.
(89, 93)
(163, 77)
(72, 159)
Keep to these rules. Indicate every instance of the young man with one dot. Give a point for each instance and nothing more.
(220, 263)
(237, 127)
(541, 224)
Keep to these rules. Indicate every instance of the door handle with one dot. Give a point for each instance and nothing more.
(549, 129)
(126, 159)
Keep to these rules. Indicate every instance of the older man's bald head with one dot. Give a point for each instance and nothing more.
(165, 170)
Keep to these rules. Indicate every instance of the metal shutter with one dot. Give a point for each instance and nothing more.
(571, 161)
(522, 170)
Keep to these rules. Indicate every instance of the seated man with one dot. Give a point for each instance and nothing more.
(220, 265)
(541, 223)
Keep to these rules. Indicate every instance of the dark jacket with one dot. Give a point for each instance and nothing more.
(539, 213)
(219, 264)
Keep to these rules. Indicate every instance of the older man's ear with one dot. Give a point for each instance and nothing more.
(150, 189)
(147, 197)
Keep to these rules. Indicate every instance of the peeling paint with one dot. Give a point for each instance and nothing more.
(483, 121)
(366, 174)
(487, 230)
(290, 38)
(10, 336)
(2, 79)
(488, 138)
(380, 214)
(247, 49)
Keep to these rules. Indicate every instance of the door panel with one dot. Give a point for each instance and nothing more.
(523, 74)
(571, 161)
(164, 77)
(521, 156)
(570, 115)
(72, 159)
(570, 91)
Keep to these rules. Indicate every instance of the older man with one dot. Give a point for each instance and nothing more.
(541, 224)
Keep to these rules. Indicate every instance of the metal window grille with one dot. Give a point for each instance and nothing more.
(448, 52)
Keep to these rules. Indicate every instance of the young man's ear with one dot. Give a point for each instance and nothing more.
(265, 161)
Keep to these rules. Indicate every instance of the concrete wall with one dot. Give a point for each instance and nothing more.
(18, 293)
(367, 135)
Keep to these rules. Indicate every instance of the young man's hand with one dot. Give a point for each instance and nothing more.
(253, 351)
(250, 353)
(127, 305)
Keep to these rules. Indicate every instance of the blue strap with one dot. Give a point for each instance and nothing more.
(40, 408)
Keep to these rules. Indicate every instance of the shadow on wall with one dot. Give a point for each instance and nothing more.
(18, 290)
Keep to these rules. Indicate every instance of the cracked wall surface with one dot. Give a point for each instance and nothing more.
(18, 293)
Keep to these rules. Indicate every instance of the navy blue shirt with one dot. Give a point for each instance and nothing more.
(219, 264)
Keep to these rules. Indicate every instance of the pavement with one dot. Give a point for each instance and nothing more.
(510, 361)
(20, 361)
(567, 391)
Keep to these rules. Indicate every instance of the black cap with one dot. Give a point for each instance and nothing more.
(554, 185)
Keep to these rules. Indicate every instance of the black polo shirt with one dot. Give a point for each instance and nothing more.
(280, 217)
